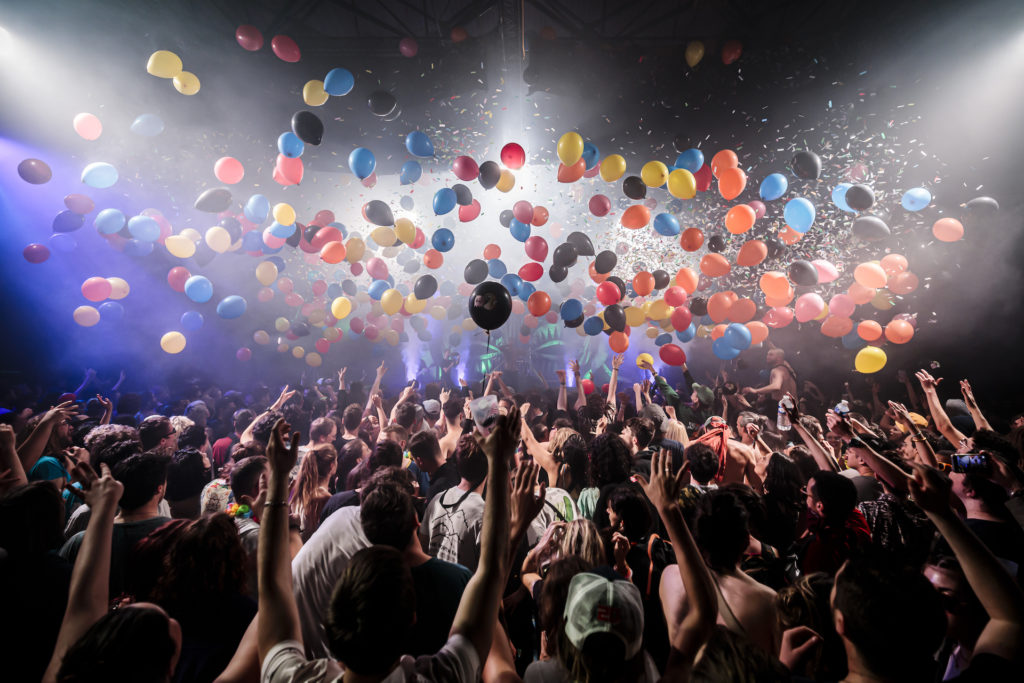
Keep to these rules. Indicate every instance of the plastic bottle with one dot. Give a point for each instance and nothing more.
(782, 422)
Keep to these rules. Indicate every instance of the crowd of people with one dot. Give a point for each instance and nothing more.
(456, 533)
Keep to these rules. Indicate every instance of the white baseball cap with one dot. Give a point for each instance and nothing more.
(597, 605)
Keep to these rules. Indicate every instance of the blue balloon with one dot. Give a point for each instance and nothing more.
(593, 326)
(199, 289)
(852, 341)
(147, 125)
(799, 214)
(774, 186)
(407, 202)
(839, 197)
(666, 224)
(62, 241)
(525, 290)
(111, 312)
(916, 199)
(692, 159)
(520, 231)
(362, 162)
(67, 221)
(271, 250)
(138, 248)
(291, 145)
(257, 209)
(570, 309)
(100, 175)
(377, 288)
(496, 268)
(688, 334)
(443, 239)
(444, 200)
(191, 321)
(109, 221)
(411, 172)
(231, 307)
(737, 335)
(590, 154)
(277, 261)
(339, 82)
(662, 339)
(722, 350)
(282, 231)
(512, 282)
(252, 241)
(419, 145)
(144, 228)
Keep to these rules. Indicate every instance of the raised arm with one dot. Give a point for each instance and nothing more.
(581, 398)
(489, 388)
(924, 449)
(563, 400)
(822, 457)
(382, 370)
(942, 422)
(614, 381)
(980, 422)
(499, 375)
(34, 446)
(279, 615)
(108, 409)
(12, 473)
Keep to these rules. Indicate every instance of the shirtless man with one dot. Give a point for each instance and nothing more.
(783, 378)
(740, 461)
(451, 410)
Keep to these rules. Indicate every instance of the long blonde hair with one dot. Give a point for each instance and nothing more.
(582, 539)
(315, 467)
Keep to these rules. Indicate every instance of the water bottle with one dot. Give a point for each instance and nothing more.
(782, 422)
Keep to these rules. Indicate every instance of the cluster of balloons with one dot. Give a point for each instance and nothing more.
(166, 64)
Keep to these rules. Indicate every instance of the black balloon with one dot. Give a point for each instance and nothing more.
(565, 255)
(214, 200)
(234, 228)
(349, 287)
(605, 262)
(299, 329)
(617, 281)
(424, 287)
(615, 317)
(308, 127)
(582, 243)
(699, 306)
(860, 197)
(807, 165)
(463, 195)
(490, 305)
(203, 254)
(505, 217)
(475, 272)
(661, 279)
(870, 228)
(381, 103)
(557, 273)
(379, 213)
(296, 236)
(716, 243)
(803, 273)
(575, 323)
(776, 247)
(681, 143)
(634, 188)
(490, 173)
(983, 205)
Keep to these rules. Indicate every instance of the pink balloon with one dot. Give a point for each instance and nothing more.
(826, 271)
(288, 171)
(87, 126)
(675, 296)
(537, 248)
(600, 205)
(319, 288)
(408, 47)
(176, 278)
(420, 240)
(551, 317)
(465, 289)
(523, 211)
(370, 180)
(271, 240)
(377, 268)
(808, 307)
(780, 316)
(323, 217)
(322, 345)
(265, 294)
(79, 203)
(285, 285)
(841, 305)
(592, 172)
(36, 253)
(243, 354)
(465, 168)
(356, 325)
(294, 300)
(398, 325)
(249, 37)
(228, 170)
(307, 308)
(285, 48)
(469, 213)
(517, 307)
(759, 208)
(96, 288)
(356, 269)
(371, 332)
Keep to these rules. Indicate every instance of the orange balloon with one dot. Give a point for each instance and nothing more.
(618, 342)
(894, 263)
(790, 236)
(774, 284)
(752, 253)
(596, 276)
(723, 160)
(861, 294)
(687, 279)
(869, 330)
(717, 331)
(758, 331)
(692, 239)
(531, 321)
(636, 217)
(433, 259)
(570, 174)
(836, 326)
(899, 331)
(742, 310)
(643, 283)
(333, 252)
(719, 305)
(715, 265)
(492, 251)
(948, 230)
(539, 303)
(731, 183)
(740, 219)
(540, 216)
(780, 301)
(903, 283)
(870, 275)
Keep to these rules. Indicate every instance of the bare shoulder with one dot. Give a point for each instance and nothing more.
(741, 451)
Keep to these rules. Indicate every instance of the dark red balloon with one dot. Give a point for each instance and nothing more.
(672, 354)
(703, 177)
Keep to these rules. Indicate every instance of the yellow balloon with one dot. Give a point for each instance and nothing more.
(570, 148)
(383, 236)
(186, 83)
(118, 288)
(659, 310)
(438, 313)
(164, 64)
(613, 167)
(191, 234)
(506, 181)
(405, 230)
(332, 334)
(823, 314)
(218, 239)
(261, 337)
(298, 352)
(281, 324)
(391, 337)
(654, 174)
(652, 332)
(266, 273)
(313, 359)
(414, 305)
(634, 316)
(391, 301)
(86, 316)
(694, 52)
(282, 347)
(173, 342)
(354, 249)
(869, 359)
(704, 331)
(284, 213)
(682, 184)
(341, 307)
(468, 325)
(180, 246)
(317, 317)
(644, 358)
(362, 298)
(313, 93)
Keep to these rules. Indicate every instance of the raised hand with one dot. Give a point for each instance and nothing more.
(462, 382)
(561, 376)
(97, 490)
(574, 365)
(794, 412)
(928, 383)
(620, 548)
(617, 360)
(664, 487)
(381, 370)
(647, 365)
(670, 410)
(930, 490)
(501, 442)
(968, 393)
(61, 412)
(526, 501)
(107, 404)
(284, 397)
(282, 457)
(445, 396)
(377, 401)
(602, 425)
(901, 414)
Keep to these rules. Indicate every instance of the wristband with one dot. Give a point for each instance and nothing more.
(276, 503)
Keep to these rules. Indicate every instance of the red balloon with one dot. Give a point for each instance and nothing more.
(731, 51)
(608, 293)
(465, 168)
(493, 251)
(249, 37)
(570, 174)
(243, 354)
(681, 318)
(588, 386)
(539, 303)
(325, 235)
(469, 213)
(36, 253)
(323, 217)
(672, 354)
(675, 296)
(600, 205)
(285, 48)
(703, 177)
(176, 278)
(531, 272)
(537, 248)
(513, 156)
(421, 239)
(322, 345)
(540, 216)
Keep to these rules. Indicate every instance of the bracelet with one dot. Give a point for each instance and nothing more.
(918, 438)
(276, 503)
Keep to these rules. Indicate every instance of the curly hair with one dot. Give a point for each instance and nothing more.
(609, 460)
(102, 437)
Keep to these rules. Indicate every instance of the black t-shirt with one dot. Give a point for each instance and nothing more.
(122, 549)
(868, 488)
(1004, 539)
(444, 477)
(439, 586)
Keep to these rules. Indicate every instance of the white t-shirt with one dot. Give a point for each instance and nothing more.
(456, 662)
(317, 568)
(558, 507)
(452, 524)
